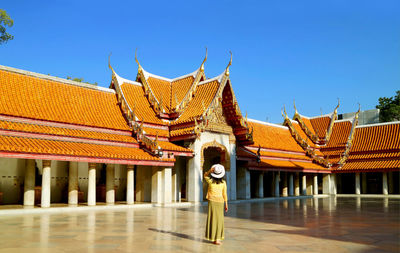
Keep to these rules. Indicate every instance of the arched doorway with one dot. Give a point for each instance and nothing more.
(212, 153)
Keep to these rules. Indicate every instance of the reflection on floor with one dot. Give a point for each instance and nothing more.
(307, 225)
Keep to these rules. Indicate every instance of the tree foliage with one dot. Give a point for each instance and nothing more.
(79, 79)
(389, 108)
(5, 21)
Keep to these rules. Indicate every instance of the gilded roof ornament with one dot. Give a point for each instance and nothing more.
(229, 64)
(338, 104)
(137, 61)
(284, 111)
(295, 109)
(109, 62)
(359, 110)
(202, 64)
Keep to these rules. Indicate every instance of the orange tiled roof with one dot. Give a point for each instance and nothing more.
(374, 148)
(273, 137)
(320, 125)
(180, 88)
(182, 131)
(303, 135)
(271, 163)
(370, 165)
(155, 131)
(136, 98)
(340, 133)
(162, 90)
(205, 93)
(37, 98)
(307, 122)
(59, 131)
(241, 152)
(173, 147)
(41, 146)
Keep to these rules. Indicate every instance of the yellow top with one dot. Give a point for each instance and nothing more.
(216, 192)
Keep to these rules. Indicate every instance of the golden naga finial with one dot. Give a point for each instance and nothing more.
(284, 111)
(359, 110)
(295, 109)
(229, 64)
(137, 61)
(338, 104)
(109, 62)
(246, 116)
(202, 64)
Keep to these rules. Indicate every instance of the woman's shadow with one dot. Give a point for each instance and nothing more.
(184, 236)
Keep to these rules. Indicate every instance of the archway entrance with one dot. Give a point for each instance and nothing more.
(213, 153)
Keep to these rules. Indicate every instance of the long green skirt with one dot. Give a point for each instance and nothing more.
(215, 221)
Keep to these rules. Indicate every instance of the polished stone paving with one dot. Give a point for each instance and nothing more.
(306, 225)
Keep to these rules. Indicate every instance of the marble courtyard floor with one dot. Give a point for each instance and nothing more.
(306, 225)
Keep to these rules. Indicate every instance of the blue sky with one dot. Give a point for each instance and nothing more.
(310, 51)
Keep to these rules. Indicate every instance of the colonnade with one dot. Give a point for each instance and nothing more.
(283, 184)
(361, 183)
(161, 184)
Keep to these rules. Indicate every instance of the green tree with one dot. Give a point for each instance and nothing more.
(389, 108)
(80, 79)
(5, 21)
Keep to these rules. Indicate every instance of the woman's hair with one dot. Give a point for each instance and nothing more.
(217, 180)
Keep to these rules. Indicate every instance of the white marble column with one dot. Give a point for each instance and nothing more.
(167, 183)
(91, 199)
(46, 184)
(260, 185)
(333, 184)
(284, 180)
(290, 184)
(174, 182)
(156, 185)
(130, 185)
(194, 177)
(326, 184)
(110, 183)
(73, 183)
(315, 186)
(276, 182)
(357, 190)
(243, 183)
(385, 184)
(232, 172)
(297, 184)
(29, 183)
(303, 185)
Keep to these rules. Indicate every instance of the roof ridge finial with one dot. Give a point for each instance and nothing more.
(229, 64)
(295, 109)
(359, 110)
(137, 61)
(338, 104)
(109, 62)
(202, 64)
(284, 111)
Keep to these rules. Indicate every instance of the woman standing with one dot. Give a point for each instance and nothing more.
(216, 196)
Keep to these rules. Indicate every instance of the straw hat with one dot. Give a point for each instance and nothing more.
(219, 171)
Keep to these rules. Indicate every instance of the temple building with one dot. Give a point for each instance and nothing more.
(151, 139)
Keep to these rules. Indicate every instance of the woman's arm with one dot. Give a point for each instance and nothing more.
(225, 195)
(208, 172)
